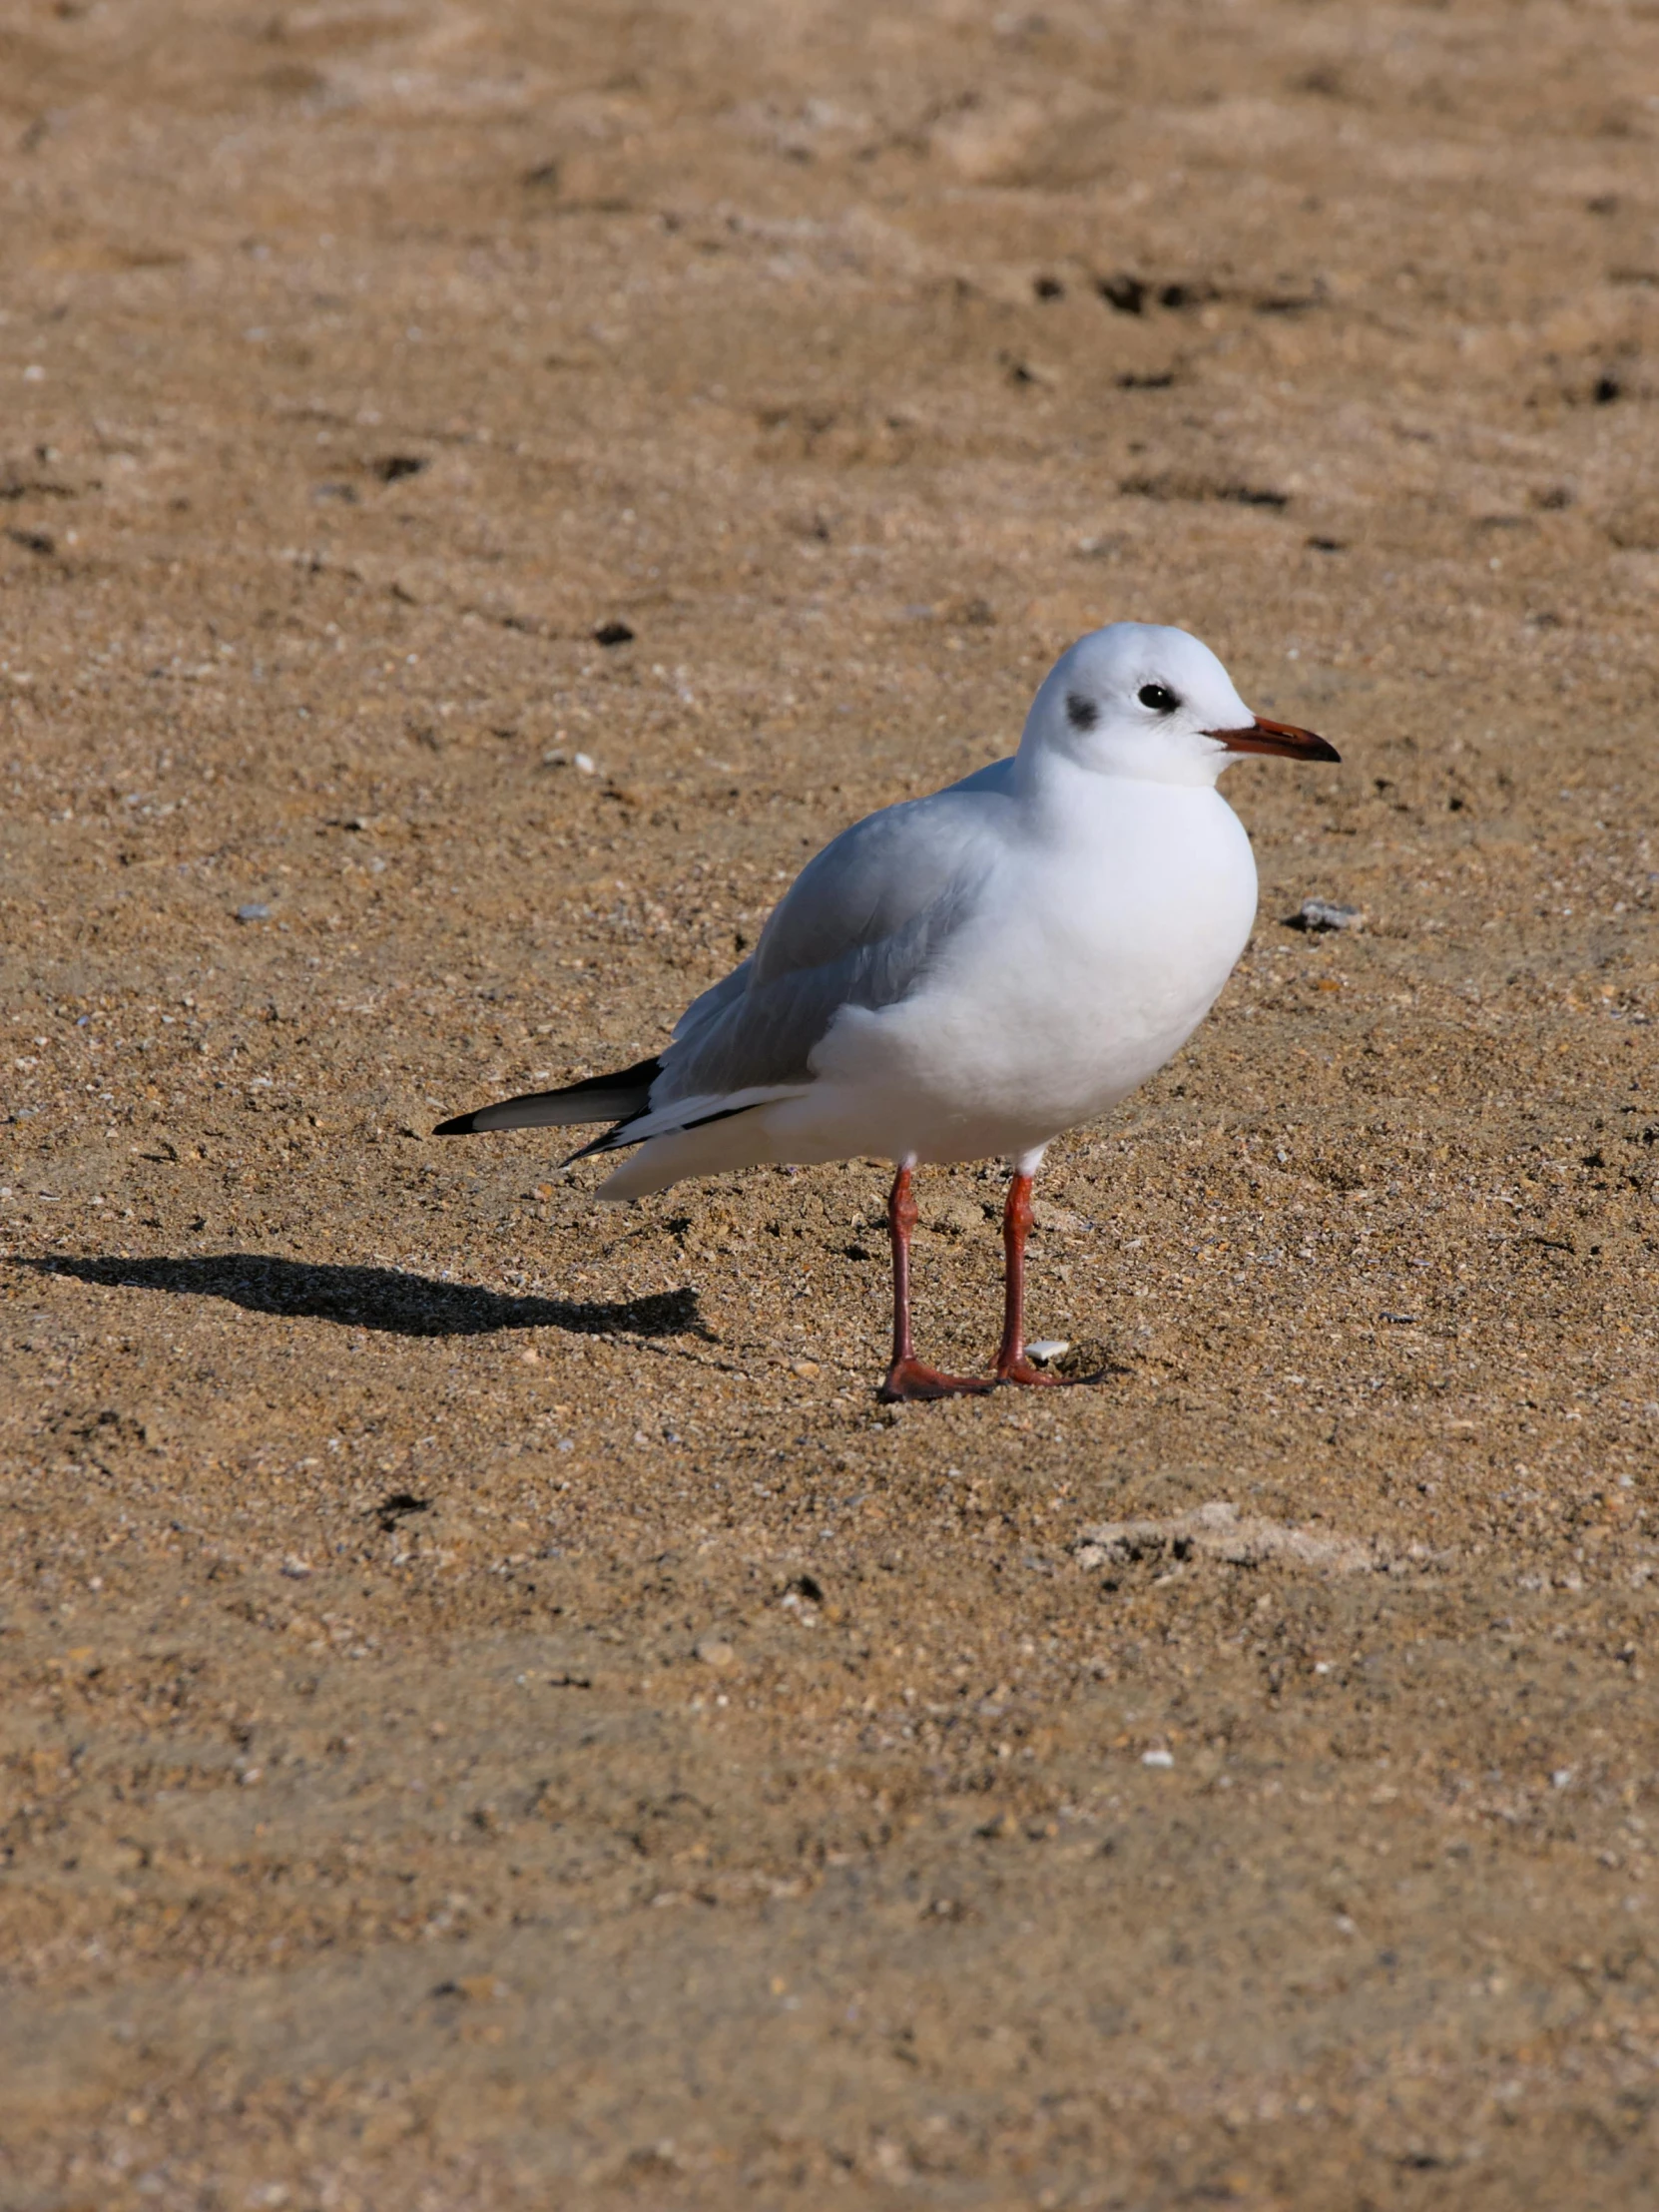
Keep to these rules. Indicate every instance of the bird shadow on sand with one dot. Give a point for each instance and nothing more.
(378, 1298)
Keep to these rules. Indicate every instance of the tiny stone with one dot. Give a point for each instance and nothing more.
(253, 911)
(713, 1653)
(1157, 1758)
(584, 764)
(1048, 1348)
(483, 1988)
(1316, 915)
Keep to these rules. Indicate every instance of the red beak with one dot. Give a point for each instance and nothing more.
(1276, 737)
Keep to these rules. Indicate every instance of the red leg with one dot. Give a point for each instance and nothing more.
(1011, 1363)
(907, 1377)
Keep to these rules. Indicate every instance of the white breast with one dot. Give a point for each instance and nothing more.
(1104, 938)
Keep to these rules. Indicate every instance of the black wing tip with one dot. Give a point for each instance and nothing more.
(614, 1139)
(618, 1083)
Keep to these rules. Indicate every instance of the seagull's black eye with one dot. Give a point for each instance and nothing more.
(1081, 712)
(1159, 698)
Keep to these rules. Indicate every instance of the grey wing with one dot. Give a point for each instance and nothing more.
(712, 1004)
(860, 926)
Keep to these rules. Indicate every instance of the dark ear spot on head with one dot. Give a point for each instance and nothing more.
(1081, 712)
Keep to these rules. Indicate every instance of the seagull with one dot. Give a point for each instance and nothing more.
(969, 974)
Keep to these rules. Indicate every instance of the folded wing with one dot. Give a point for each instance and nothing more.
(860, 926)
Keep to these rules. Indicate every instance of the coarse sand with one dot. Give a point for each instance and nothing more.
(493, 1713)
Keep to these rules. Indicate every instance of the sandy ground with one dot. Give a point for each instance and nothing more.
(494, 1714)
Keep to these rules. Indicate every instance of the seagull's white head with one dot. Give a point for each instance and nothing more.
(1136, 698)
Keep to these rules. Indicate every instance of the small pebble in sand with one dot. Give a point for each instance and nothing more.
(713, 1653)
(253, 911)
(1317, 915)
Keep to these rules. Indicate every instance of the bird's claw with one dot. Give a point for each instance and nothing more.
(910, 1381)
(1025, 1370)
